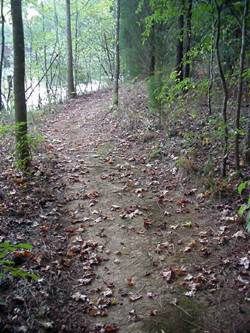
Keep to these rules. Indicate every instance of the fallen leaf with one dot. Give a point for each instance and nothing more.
(107, 293)
(174, 227)
(242, 280)
(147, 223)
(115, 207)
(187, 224)
(153, 313)
(168, 275)
(239, 234)
(79, 297)
(190, 246)
(244, 262)
(131, 281)
(134, 297)
(111, 328)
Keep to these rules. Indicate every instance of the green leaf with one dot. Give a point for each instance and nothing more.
(242, 186)
(7, 262)
(24, 246)
(242, 209)
(7, 266)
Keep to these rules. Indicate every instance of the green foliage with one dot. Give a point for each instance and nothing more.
(8, 266)
(35, 140)
(155, 153)
(134, 53)
(186, 164)
(242, 186)
(6, 130)
(46, 52)
(32, 140)
(154, 83)
(244, 210)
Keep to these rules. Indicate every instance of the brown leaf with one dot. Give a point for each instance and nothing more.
(190, 246)
(147, 223)
(111, 328)
(131, 281)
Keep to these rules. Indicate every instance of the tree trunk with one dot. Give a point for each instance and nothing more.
(179, 47)
(71, 87)
(247, 153)
(109, 58)
(188, 38)
(225, 90)
(76, 52)
(211, 72)
(152, 56)
(239, 97)
(117, 55)
(22, 147)
(2, 54)
(45, 55)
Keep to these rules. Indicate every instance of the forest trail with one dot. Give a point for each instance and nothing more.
(138, 256)
(135, 220)
(123, 241)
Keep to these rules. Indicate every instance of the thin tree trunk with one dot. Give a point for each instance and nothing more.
(30, 55)
(10, 86)
(71, 87)
(117, 55)
(41, 79)
(211, 71)
(152, 56)
(2, 54)
(225, 90)
(109, 56)
(247, 153)
(56, 21)
(76, 45)
(22, 147)
(179, 48)
(45, 55)
(188, 38)
(239, 97)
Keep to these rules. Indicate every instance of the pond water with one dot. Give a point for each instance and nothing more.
(39, 97)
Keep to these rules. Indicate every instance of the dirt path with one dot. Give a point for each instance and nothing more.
(162, 254)
(130, 246)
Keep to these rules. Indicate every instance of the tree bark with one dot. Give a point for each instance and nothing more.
(76, 44)
(239, 97)
(247, 153)
(211, 71)
(2, 54)
(22, 147)
(179, 47)
(225, 90)
(188, 38)
(71, 87)
(152, 56)
(117, 55)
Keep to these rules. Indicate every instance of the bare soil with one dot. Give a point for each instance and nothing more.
(122, 241)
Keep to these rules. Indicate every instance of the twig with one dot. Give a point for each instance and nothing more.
(42, 77)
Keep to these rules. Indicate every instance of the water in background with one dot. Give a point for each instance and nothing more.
(39, 97)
